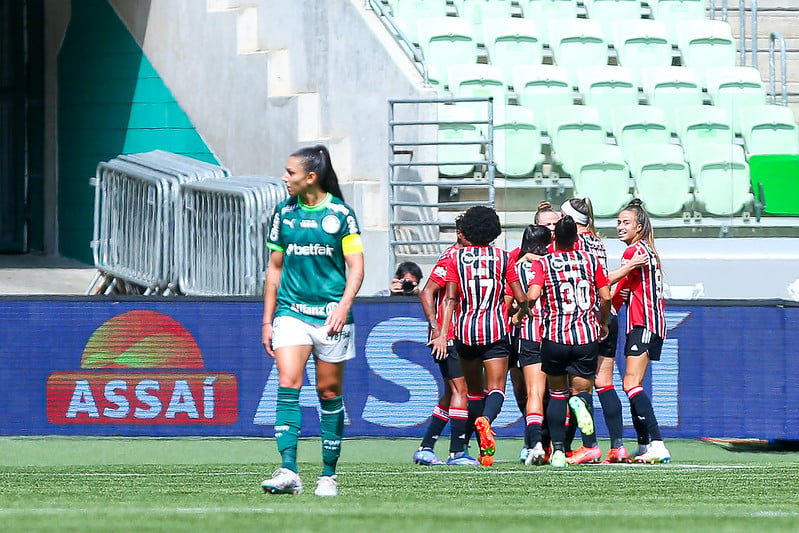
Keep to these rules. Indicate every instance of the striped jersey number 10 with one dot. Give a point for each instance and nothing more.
(575, 296)
(482, 290)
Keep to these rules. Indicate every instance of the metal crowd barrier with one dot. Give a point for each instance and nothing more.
(134, 220)
(222, 234)
(165, 223)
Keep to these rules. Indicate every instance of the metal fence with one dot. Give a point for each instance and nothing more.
(166, 224)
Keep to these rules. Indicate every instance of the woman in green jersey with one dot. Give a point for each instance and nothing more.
(315, 270)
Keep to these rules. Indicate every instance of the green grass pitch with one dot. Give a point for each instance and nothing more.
(195, 484)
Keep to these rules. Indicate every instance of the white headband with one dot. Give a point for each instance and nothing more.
(567, 209)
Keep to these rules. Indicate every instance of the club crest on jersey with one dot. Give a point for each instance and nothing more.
(331, 224)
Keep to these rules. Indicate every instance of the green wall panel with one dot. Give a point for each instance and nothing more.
(111, 102)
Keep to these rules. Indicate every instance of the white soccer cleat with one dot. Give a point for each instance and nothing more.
(657, 453)
(326, 486)
(536, 455)
(283, 481)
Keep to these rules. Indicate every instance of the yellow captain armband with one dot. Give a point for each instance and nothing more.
(352, 244)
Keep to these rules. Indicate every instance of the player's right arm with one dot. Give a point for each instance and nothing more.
(439, 344)
(271, 285)
(428, 297)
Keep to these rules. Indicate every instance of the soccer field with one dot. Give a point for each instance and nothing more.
(194, 484)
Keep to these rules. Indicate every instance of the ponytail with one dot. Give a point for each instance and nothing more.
(316, 159)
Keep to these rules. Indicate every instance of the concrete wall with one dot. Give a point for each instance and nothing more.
(258, 79)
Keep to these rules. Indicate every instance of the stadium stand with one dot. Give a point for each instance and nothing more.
(639, 125)
(706, 44)
(544, 11)
(775, 180)
(455, 126)
(478, 12)
(606, 12)
(641, 44)
(662, 178)
(572, 129)
(702, 125)
(599, 172)
(517, 142)
(446, 41)
(512, 42)
(673, 13)
(606, 88)
(721, 179)
(540, 88)
(477, 80)
(409, 12)
(769, 129)
(735, 89)
(577, 43)
(669, 89)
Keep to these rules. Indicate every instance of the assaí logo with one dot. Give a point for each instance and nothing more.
(142, 367)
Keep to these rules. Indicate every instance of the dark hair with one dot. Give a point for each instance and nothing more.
(543, 207)
(565, 233)
(584, 207)
(408, 267)
(647, 232)
(316, 159)
(535, 240)
(480, 225)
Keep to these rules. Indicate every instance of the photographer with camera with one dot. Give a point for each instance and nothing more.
(406, 281)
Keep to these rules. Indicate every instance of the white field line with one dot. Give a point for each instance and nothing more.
(166, 511)
(422, 471)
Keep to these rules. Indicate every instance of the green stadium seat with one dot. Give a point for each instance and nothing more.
(672, 13)
(669, 89)
(540, 88)
(775, 181)
(601, 174)
(721, 179)
(662, 178)
(570, 129)
(477, 80)
(479, 11)
(637, 125)
(543, 11)
(408, 13)
(606, 88)
(735, 89)
(455, 126)
(769, 129)
(706, 44)
(446, 41)
(517, 142)
(577, 43)
(641, 44)
(606, 12)
(511, 42)
(702, 125)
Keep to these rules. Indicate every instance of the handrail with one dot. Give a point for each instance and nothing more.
(742, 30)
(410, 49)
(777, 36)
(754, 33)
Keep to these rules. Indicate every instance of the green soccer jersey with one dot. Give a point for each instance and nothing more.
(314, 271)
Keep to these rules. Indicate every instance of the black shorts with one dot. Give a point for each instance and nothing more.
(495, 350)
(640, 341)
(524, 352)
(607, 347)
(450, 366)
(576, 359)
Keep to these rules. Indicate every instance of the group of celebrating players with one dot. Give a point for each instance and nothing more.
(544, 312)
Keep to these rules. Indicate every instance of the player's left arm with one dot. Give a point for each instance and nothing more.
(352, 247)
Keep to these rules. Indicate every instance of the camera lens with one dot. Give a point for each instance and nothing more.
(407, 287)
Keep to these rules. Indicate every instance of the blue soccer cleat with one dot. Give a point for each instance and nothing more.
(426, 457)
(462, 459)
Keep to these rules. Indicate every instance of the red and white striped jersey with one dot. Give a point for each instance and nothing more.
(593, 245)
(645, 305)
(439, 277)
(532, 327)
(570, 282)
(481, 273)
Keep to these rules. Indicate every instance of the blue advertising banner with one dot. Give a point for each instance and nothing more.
(174, 367)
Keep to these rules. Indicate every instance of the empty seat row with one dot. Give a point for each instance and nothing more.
(672, 13)
(575, 43)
